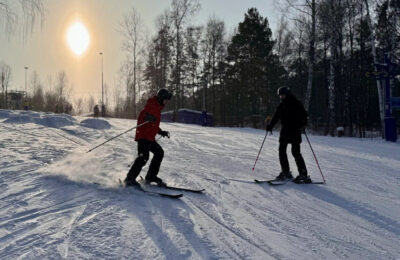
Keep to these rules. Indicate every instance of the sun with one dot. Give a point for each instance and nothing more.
(78, 38)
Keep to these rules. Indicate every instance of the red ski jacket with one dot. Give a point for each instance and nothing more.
(149, 130)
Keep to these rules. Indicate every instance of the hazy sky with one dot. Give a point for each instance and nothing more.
(48, 53)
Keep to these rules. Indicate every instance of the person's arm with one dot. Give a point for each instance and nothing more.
(303, 115)
(149, 112)
(275, 119)
(150, 118)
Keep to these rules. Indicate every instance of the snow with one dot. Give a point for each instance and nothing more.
(45, 119)
(5, 113)
(96, 123)
(56, 121)
(20, 119)
(51, 208)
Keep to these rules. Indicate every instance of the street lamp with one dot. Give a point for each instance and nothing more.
(102, 87)
(26, 89)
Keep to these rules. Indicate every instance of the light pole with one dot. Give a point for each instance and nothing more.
(4, 96)
(26, 86)
(102, 87)
(26, 89)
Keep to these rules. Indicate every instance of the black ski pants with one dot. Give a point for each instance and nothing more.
(301, 165)
(144, 147)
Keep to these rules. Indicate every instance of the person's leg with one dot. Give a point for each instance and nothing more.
(154, 168)
(141, 160)
(283, 157)
(301, 165)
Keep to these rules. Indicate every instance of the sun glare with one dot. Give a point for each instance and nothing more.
(78, 38)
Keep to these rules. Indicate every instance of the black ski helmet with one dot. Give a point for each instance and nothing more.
(164, 94)
(283, 91)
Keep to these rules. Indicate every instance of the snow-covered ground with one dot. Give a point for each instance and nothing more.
(51, 208)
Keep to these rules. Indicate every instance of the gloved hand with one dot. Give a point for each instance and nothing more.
(164, 134)
(150, 118)
(269, 128)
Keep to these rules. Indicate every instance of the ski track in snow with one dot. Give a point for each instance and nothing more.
(50, 207)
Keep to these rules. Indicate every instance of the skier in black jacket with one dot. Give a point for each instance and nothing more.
(293, 119)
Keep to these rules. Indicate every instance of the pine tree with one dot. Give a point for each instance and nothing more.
(253, 70)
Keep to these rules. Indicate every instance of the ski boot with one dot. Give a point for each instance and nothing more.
(131, 183)
(284, 176)
(155, 179)
(302, 179)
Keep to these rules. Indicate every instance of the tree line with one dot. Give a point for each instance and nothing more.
(53, 95)
(321, 49)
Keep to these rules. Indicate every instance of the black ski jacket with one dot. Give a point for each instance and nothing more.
(293, 118)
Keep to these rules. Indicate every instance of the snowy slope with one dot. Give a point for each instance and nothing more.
(50, 207)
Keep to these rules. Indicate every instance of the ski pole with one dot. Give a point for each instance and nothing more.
(312, 150)
(117, 136)
(130, 165)
(259, 151)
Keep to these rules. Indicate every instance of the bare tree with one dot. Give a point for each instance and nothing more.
(32, 11)
(284, 41)
(181, 10)
(5, 78)
(140, 77)
(62, 92)
(61, 84)
(306, 9)
(132, 29)
(37, 98)
(213, 48)
(118, 101)
(373, 52)
(311, 54)
(126, 76)
(193, 39)
(331, 16)
(35, 81)
(126, 81)
(107, 94)
(79, 106)
(162, 45)
(90, 103)
(299, 38)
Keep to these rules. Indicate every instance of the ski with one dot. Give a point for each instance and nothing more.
(272, 182)
(155, 193)
(278, 182)
(176, 188)
(314, 182)
(182, 189)
(263, 181)
(172, 196)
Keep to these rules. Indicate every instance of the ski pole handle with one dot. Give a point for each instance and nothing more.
(117, 136)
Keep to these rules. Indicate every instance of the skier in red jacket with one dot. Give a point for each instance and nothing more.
(145, 136)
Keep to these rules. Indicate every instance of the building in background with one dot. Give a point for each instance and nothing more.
(188, 116)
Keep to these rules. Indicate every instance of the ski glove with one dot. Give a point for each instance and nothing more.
(164, 133)
(150, 118)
